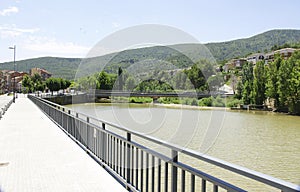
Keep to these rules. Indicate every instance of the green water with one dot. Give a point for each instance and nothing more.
(261, 141)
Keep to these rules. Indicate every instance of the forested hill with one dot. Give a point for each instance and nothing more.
(67, 67)
(258, 43)
(59, 67)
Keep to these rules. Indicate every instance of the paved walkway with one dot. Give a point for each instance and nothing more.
(35, 155)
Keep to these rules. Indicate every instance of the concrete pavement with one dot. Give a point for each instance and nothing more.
(35, 155)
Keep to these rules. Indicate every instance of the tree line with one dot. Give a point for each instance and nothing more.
(200, 77)
(277, 82)
(36, 83)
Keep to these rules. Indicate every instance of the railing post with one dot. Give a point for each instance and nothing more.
(87, 133)
(103, 144)
(69, 121)
(63, 118)
(174, 171)
(128, 159)
(76, 127)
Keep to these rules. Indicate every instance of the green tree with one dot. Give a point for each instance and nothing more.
(105, 81)
(40, 86)
(53, 84)
(36, 78)
(180, 80)
(239, 90)
(196, 76)
(293, 97)
(27, 83)
(283, 84)
(259, 84)
(247, 81)
(120, 78)
(272, 74)
(130, 83)
(64, 84)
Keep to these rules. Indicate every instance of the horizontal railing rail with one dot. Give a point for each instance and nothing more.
(139, 168)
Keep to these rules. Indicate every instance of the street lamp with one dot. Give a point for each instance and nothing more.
(14, 89)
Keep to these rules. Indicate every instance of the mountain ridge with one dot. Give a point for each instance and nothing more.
(67, 67)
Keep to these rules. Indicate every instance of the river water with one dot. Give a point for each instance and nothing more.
(262, 141)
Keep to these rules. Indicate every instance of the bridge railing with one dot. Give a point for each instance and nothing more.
(5, 107)
(140, 168)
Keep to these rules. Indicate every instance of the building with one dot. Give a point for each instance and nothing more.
(254, 58)
(11, 80)
(284, 53)
(234, 64)
(42, 72)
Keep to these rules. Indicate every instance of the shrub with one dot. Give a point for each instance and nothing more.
(206, 102)
(234, 103)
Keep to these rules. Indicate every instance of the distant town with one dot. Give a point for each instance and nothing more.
(12, 80)
(254, 58)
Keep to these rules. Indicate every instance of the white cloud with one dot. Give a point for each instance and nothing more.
(13, 31)
(51, 46)
(8, 11)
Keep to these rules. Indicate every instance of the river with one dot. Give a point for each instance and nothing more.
(262, 141)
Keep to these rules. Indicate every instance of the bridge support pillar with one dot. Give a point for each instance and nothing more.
(155, 99)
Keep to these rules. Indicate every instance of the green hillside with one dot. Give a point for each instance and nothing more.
(180, 56)
(59, 67)
(258, 43)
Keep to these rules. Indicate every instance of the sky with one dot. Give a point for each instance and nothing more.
(70, 28)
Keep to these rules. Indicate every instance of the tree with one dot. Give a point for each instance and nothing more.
(272, 75)
(64, 84)
(36, 78)
(293, 97)
(247, 81)
(282, 83)
(53, 84)
(105, 81)
(259, 81)
(180, 80)
(37, 81)
(68, 83)
(40, 86)
(215, 82)
(130, 83)
(196, 76)
(239, 90)
(27, 83)
(120, 78)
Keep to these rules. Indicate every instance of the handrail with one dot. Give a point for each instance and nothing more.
(263, 178)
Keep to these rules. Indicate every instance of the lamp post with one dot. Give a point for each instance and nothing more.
(14, 89)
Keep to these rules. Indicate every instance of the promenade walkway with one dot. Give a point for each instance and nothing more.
(35, 155)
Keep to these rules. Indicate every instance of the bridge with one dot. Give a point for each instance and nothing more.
(140, 168)
(109, 93)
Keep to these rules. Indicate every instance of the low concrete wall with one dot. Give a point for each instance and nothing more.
(71, 99)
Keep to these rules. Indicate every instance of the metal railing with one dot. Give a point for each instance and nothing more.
(139, 168)
(5, 108)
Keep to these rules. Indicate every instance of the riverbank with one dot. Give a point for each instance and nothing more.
(182, 106)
